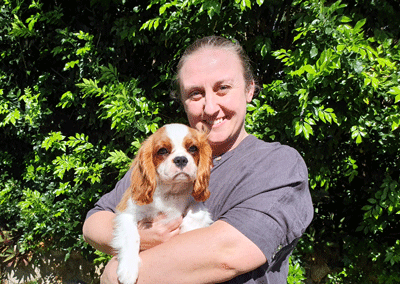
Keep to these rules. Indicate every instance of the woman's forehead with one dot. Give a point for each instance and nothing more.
(214, 63)
(211, 55)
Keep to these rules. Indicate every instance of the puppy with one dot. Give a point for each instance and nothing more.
(170, 175)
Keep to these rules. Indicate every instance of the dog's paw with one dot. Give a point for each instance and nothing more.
(196, 217)
(128, 272)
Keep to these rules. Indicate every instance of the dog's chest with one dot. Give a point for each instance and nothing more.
(172, 208)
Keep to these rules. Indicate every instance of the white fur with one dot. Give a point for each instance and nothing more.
(171, 198)
(167, 170)
(127, 240)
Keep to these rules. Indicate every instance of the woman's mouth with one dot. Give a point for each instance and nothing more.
(215, 122)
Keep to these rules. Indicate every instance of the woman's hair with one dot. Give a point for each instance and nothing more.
(219, 42)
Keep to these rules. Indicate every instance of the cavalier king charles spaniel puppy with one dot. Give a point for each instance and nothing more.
(170, 175)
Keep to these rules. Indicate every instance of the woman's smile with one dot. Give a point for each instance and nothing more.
(215, 96)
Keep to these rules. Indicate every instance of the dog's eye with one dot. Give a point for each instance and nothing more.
(162, 151)
(193, 149)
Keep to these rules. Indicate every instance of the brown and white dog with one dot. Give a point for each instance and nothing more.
(170, 175)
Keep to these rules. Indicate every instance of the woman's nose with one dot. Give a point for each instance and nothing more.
(210, 104)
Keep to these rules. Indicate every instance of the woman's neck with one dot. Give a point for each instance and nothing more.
(220, 149)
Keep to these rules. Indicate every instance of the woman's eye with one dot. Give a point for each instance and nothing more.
(162, 151)
(195, 96)
(223, 89)
(193, 149)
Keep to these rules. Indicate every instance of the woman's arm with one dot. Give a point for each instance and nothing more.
(98, 231)
(209, 255)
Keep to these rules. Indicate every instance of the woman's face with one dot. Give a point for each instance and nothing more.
(214, 94)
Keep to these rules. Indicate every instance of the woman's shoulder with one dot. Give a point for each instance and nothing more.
(253, 146)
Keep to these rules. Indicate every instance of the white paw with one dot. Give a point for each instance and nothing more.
(128, 272)
(196, 217)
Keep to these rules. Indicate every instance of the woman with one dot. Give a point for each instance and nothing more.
(259, 191)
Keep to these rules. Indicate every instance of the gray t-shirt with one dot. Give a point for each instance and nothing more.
(261, 189)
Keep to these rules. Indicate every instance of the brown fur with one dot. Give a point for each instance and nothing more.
(143, 177)
(200, 188)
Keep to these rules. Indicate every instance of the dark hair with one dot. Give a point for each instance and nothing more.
(218, 42)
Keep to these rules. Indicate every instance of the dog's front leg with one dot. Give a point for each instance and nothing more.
(127, 244)
(196, 217)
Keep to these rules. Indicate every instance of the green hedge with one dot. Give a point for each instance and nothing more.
(81, 85)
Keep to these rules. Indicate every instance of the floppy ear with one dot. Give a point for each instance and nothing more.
(200, 188)
(143, 177)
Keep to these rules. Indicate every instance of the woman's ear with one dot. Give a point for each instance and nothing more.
(250, 89)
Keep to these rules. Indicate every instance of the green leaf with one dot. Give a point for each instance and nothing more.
(328, 117)
(309, 131)
(340, 48)
(163, 8)
(358, 66)
(321, 115)
(212, 7)
(298, 128)
(309, 69)
(359, 25)
(366, 208)
(345, 19)
(395, 91)
(265, 49)
(70, 64)
(83, 50)
(314, 51)
(53, 140)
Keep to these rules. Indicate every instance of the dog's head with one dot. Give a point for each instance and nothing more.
(175, 153)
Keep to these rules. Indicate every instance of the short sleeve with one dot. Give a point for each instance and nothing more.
(280, 225)
(270, 202)
(110, 200)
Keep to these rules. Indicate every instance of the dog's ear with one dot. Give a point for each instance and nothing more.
(200, 188)
(143, 177)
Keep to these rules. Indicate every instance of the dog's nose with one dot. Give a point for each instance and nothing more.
(180, 161)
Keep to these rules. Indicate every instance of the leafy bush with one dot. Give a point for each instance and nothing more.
(339, 94)
(81, 86)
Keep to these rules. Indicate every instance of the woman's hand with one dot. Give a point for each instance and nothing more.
(109, 275)
(157, 231)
